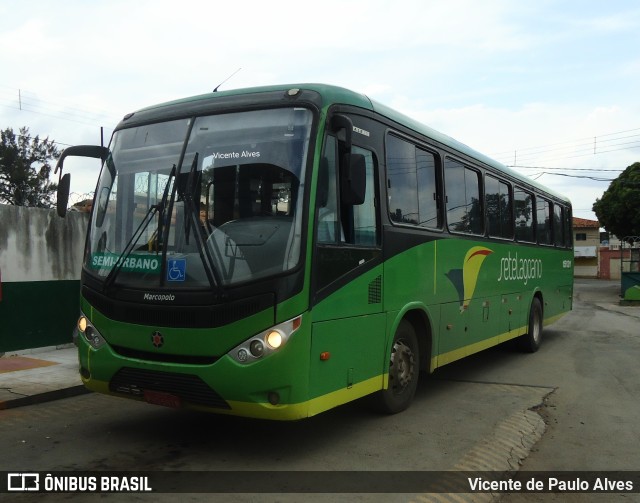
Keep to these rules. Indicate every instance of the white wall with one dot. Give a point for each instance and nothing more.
(38, 245)
(40, 261)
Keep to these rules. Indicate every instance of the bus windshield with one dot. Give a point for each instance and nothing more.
(201, 202)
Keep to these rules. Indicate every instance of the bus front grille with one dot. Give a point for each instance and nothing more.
(152, 356)
(177, 316)
(190, 388)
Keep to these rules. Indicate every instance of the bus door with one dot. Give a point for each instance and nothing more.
(466, 325)
(512, 315)
(347, 348)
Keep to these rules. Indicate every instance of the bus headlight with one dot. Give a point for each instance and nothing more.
(274, 339)
(90, 333)
(265, 343)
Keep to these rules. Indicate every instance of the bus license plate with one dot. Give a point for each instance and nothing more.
(161, 398)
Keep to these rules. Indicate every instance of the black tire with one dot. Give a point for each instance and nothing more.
(530, 342)
(404, 369)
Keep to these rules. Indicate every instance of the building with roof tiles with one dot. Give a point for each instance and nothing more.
(586, 243)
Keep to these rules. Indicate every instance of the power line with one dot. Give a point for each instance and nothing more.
(572, 149)
(563, 169)
(597, 179)
(590, 138)
(586, 154)
(22, 96)
(26, 101)
(45, 139)
(55, 116)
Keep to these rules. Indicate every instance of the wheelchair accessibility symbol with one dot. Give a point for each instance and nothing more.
(176, 270)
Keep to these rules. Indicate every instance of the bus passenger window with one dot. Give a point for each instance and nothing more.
(524, 215)
(498, 203)
(558, 225)
(543, 221)
(329, 229)
(402, 181)
(338, 223)
(413, 185)
(364, 215)
(568, 225)
(464, 209)
(428, 198)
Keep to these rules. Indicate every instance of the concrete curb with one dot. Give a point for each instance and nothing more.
(47, 396)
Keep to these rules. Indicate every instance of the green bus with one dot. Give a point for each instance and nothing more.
(275, 252)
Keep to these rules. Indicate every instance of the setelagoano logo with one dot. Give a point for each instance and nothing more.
(465, 279)
(515, 269)
(164, 297)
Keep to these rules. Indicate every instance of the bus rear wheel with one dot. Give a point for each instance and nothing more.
(530, 342)
(404, 369)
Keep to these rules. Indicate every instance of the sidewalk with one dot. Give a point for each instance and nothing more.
(39, 375)
(604, 294)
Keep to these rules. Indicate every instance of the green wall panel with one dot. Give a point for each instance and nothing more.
(37, 314)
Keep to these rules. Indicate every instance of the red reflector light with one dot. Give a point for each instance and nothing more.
(325, 356)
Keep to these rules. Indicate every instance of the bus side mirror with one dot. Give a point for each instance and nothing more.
(342, 122)
(81, 151)
(63, 195)
(353, 179)
(65, 181)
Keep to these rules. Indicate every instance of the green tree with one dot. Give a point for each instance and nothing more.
(618, 210)
(25, 166)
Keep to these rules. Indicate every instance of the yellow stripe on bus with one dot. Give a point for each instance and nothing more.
(341, 396)
(476, 347)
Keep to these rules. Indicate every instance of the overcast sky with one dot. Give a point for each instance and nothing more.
(551, 87)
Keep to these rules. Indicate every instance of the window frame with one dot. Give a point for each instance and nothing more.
(558, 241)
(516, 189)
(438, 179)
(548, 223)
(478, 172)
(340, 238)
(568, 227)
(510, 208)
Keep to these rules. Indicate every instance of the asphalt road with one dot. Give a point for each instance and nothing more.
(592, 359)
(571, 406)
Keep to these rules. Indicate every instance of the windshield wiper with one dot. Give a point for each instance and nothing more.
(161, 209)
(153, 209)
(193, 214)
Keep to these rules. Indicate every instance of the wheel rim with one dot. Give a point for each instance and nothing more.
(402, 367)
(535, 329)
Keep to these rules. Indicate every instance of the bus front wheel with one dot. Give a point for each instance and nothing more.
(404, 368)
(530, 342)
